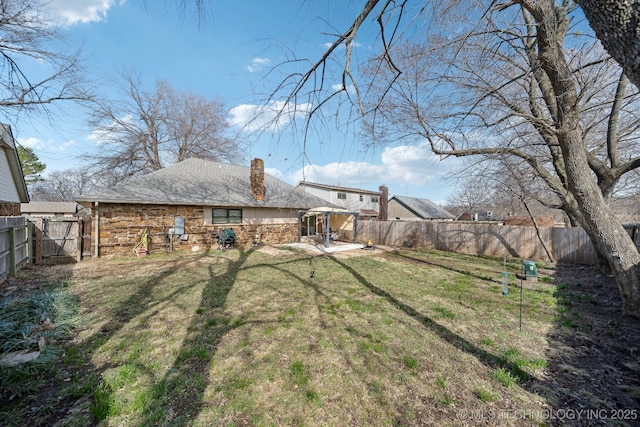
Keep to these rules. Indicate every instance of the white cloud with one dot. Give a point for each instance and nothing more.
(39, 145)
(273, 172)
(33, 143)
(341, 45)
(273, 116)
(103, 134)
(70, 12)
(410, 164)
(347, 174)
(400, 166)
(67, 144)
(351, 89)
(257, 64)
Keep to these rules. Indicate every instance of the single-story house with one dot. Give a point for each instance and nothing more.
(187, 204)
(13, 189)
(50, 209)
(415, 209)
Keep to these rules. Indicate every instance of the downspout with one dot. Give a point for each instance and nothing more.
(300, 213)
(96, 230)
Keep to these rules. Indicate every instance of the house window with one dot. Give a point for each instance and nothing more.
(374, 199)
(342, 196)
(227, 216)
(361, 197)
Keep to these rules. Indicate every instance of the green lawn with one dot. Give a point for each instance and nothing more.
(243, 337)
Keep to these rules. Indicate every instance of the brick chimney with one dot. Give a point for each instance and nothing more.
(257, 179)
(383, 215)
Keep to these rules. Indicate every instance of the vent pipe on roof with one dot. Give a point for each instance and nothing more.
(257, 179)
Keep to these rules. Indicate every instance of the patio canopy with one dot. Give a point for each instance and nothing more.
(326, 212)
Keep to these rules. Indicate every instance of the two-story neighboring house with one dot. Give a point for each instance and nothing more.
(355, 202)
(369, 204)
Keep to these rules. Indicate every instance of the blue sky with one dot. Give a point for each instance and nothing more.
(233, 54)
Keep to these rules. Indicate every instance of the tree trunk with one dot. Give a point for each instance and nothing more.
(606, 233)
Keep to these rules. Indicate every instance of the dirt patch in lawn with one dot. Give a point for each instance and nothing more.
(595, 364)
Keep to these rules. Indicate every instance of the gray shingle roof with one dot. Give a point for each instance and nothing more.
(423, 208)
(203, 182)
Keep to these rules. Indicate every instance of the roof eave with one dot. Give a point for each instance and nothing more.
(14, 165)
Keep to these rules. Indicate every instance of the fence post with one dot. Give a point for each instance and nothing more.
(30, 243)
(80, 239)
(38, 241)
(12, 252)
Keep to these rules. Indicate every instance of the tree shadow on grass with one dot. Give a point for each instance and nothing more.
(593, 375)
(444, 333)
(137, 303)
(179, 396)
(406, 257)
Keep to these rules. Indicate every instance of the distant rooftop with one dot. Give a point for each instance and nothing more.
(338, 188)
(423, 208)
(49, 207)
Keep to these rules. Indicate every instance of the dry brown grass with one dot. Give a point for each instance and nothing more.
(251, 338)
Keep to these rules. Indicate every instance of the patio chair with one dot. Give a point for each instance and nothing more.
(333, 235)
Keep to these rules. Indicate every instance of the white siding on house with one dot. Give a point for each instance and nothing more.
(8, 190)
(354, 204)
(351, 202)
(258, 215)
(323, 193)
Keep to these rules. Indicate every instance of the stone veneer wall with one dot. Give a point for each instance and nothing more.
(122, 227)
(9, 208)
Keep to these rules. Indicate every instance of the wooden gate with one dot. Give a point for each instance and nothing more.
(57, 240)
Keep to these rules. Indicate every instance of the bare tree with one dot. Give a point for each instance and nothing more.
(64, 186)
(472, 193)
(37, 68)
(146, 131)
(508, 79)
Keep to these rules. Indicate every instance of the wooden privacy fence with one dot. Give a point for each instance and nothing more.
(41, 241)
(59, 240)
(14, 245)
(567, 245)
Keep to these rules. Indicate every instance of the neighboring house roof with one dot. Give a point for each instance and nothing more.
(49, 208)
(368, 212)
(337, 188)
(8, 146)
(422, 208)
(203, 182)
